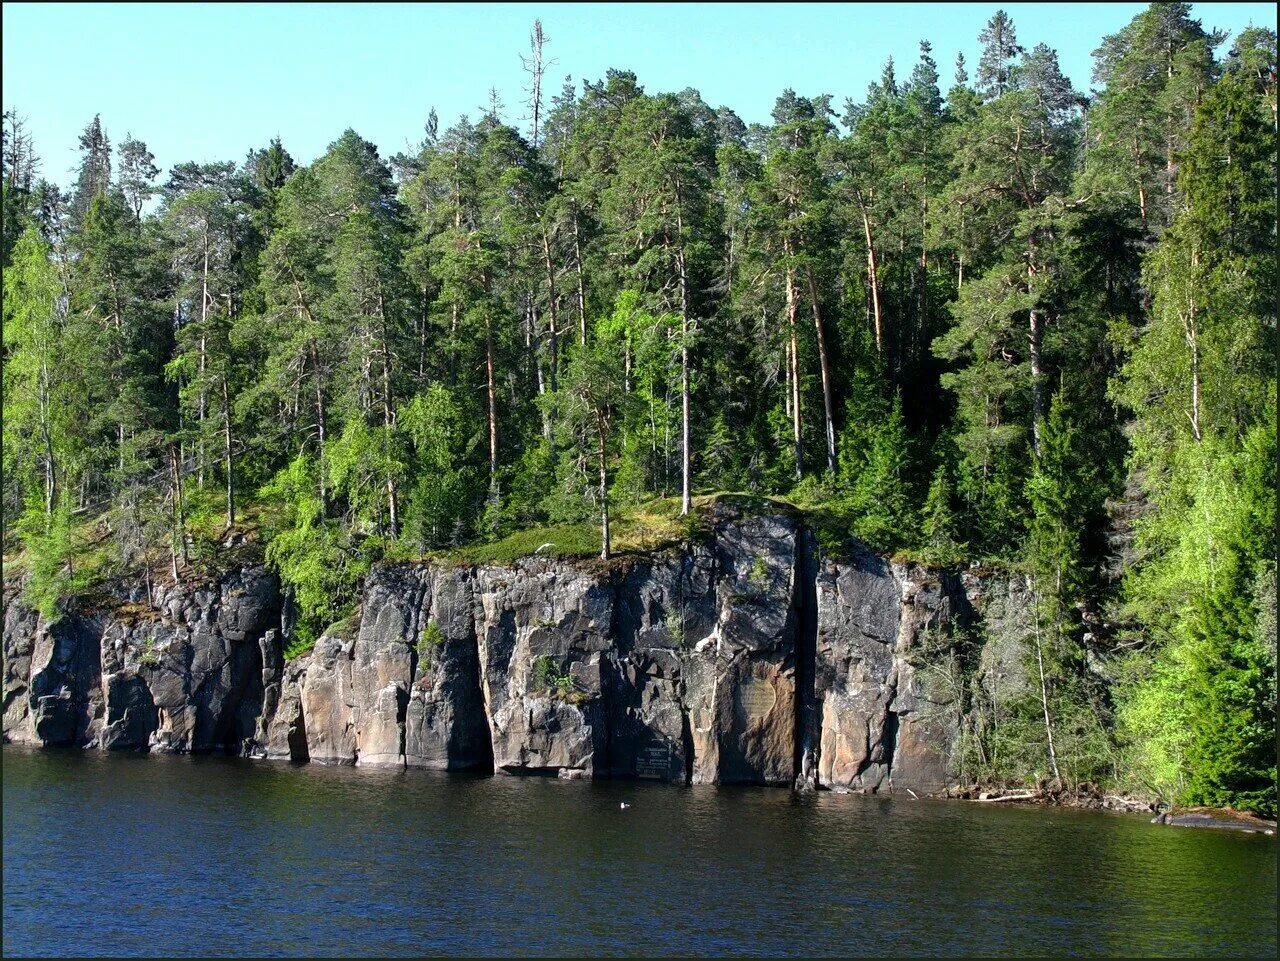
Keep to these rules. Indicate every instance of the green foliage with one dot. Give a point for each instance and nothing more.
(317, 558)
(1063, 493)
(442, 503)
(883, 496)
(1199, 715)
(303, 642)
(431, 642)
(673, 621)
(49, 552)
(549, 678)
(940, 523)
(149, 656)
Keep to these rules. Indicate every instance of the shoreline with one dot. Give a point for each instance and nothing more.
(1223, 818)
(1081, 800)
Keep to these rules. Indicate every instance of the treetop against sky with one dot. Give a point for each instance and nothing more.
(207, 81)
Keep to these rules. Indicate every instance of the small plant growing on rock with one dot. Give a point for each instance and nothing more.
(431, 642)
(757, 584)
(149, 656)
(548, 677)
(674, 623)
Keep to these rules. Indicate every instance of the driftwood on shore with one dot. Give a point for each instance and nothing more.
(1084, 796)
(1087, 796)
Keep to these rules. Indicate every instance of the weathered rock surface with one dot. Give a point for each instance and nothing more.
(890, 701)
(743, 657)
(183, 674)
(445, 726)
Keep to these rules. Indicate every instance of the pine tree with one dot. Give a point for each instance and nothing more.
(999, 39)
(94, 177)
(939, 523)
(1200, 383)
(595, 400)
(1154, 72)
(883, 498)
(138, 172)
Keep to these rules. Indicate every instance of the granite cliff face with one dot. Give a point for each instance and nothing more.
(745, 657)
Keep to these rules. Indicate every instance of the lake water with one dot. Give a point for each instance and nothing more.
(116, 855)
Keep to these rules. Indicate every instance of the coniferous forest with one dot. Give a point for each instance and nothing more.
(974, 318)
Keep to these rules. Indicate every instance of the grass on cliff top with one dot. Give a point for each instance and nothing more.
(656, 525)
(640, 529)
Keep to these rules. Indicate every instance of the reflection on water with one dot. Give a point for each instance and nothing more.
(197, 856)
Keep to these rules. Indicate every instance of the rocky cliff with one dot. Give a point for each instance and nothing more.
(743, 657)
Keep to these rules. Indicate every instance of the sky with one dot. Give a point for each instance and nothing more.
(208, 82)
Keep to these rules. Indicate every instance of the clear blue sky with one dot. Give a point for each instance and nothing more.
(208, 82)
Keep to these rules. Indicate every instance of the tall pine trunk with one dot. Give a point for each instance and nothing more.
(582, 289)
(793, 331)
(50, 471)
(204, 334)
(226, 450)
(553, 332)
(827, 401)
(1035, 338)
(686, 458)
(388, 416)
(873, 279)
(1190, 331)
(491, 393)
(320, 424)
(605, 544)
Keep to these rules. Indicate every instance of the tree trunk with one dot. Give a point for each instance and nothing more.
(204, 333)
(796, 425)
(493, 402)
(686, 458)
(532, 347)
(388, 415)
(919, 346)
(50, 471)
(605, 543)
(826, 372)
(453, 347)
(582, 290)
(320, 424)
(873, 275)
(1035, 337)
(786, 378)
(1142, 188)
(1193, 344)
(178, 540)
(1044, 703)
(553, 332)
(226, 448)
(422, 339)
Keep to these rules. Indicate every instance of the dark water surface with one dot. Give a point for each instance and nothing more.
(205, 856)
